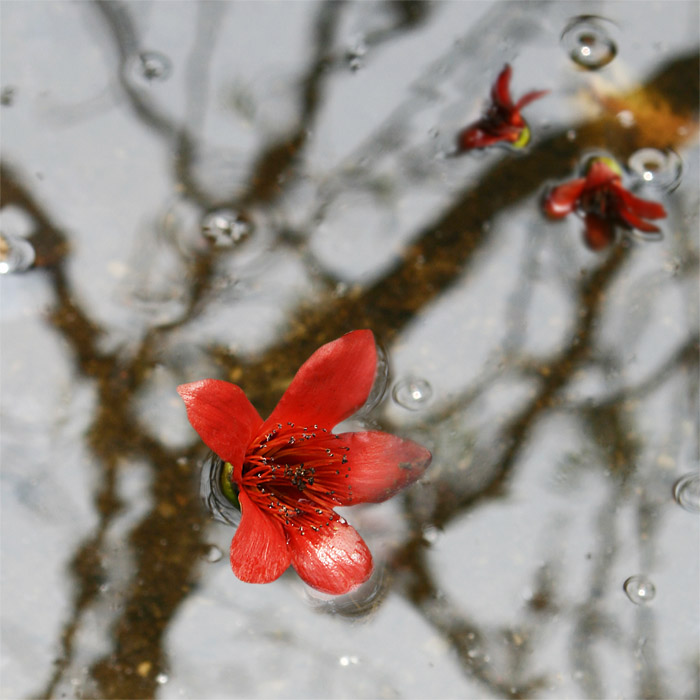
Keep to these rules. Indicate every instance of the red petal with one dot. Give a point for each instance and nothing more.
(500, 91)
(333, 560)
(600, 233)
(222, 415)
(332, 384)
(381, 464)
(600, 174)
(640, 207)
(562, 200)
(259, 550)
(528, 98)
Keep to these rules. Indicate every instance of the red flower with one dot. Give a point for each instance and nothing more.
(604, 203)
(290, 471)
(502, 121)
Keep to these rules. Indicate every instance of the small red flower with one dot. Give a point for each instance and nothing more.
(604, 203)
(290, 471)
(502, 121)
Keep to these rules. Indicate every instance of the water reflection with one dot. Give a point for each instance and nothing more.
(564, 384)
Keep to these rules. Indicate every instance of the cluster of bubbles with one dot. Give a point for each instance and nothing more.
(587, 41)
(225, 228)
(16, 254)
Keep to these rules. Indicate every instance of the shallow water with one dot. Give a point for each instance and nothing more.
(215, 190)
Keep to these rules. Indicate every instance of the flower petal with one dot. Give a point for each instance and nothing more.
(562, 200)
(599, 233)
(600, 173)
(640, 207)
(334, 559)
(222, 415)
(332, 384)
(529, 97)
(500, 91)
(380, 465)
(259, 549)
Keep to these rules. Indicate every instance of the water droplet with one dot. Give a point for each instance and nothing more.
(211, 494)
(212, 554)
(412, 393)
(355, 55)
(639, 589)
(151, 65)
(16, 254)
(347, 660)
(431, 534)
(660, 169)
(686, 491)
(161, 678)
(588, 43)
(225, 227)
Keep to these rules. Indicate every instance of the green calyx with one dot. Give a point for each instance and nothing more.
(611, 163)
(228, 487)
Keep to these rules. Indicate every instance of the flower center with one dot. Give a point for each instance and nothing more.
(299, 473)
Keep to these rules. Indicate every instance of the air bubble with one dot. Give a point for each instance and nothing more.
(152, 66)
(16, 254)
(660, 169)
(639, 589)
(225, 227)
(212, 554)
(588, 43)
(412, 393)
(686, 491)
(348, 660)
(212, 495)
(161, 679)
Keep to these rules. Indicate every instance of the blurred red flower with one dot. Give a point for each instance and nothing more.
(290, 471)
(502, 121)
(604, 203)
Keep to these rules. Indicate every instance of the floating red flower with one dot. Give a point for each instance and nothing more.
(502, 121)
(604, 203)
(290, 471)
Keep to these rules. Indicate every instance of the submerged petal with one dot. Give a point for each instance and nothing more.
(562, 200)
(637, 206)
(599, 233)
(380, 465)
(259, 550)
(529, 97)
(332, 384)
(222, 415)
(334, 559)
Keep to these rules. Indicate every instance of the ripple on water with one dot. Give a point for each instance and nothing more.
(659, 169)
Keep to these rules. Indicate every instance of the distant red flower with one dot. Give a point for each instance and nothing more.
(502, 121)
(604, 203)
(290, 471)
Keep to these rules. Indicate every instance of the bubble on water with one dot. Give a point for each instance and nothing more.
(587, 41)
(639, 589)
(152, 66)
(348, 660)
(161, 679)
(412, 393)
(211, 493)
(686, 491)
(225, 227)
(16, 254)
(213, 554)
(660, 169)
(431, 534)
